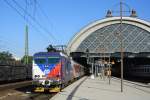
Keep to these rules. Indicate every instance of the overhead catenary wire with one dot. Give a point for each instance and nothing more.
(29, 3)
(44, 13)
(12, 45)
(3, 47)
(6, 45)
(17, 11)
(26, 9)
(32, 18)
(34, 10)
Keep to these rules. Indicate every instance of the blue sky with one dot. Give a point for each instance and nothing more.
(65, 18)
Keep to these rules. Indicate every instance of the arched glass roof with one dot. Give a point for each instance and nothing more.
(107, 39)
(104, 36)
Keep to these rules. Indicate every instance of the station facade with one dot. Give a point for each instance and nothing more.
(104, 40)
(103, 36)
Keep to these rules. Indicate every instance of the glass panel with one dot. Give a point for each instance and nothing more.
(135, 39)
(40, 61)
(53, 60)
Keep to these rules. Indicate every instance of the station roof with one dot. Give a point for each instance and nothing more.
(103, 36)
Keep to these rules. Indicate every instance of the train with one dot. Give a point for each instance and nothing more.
(137, 69)
(12, 73)
(52, 71)
(140, 71)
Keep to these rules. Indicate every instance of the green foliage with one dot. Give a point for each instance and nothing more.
(6, 56)
(30, 58)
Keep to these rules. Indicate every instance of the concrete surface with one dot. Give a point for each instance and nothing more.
(99, 89)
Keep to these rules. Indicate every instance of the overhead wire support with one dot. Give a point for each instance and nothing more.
(120, 37)
(121, 44)
(26, 35)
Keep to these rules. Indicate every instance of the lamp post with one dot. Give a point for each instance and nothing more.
(87, 55)
(87, 58)
(109, 69)
(121, 45)
(103, 63)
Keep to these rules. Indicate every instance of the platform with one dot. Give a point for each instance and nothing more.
(99, 89)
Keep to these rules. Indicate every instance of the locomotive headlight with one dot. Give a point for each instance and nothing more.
(35, 76)
(46, 82)
(38, 76)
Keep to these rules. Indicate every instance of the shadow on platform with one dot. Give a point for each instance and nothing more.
(71, 95)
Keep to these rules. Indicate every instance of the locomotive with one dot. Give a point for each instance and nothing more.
(53, 70)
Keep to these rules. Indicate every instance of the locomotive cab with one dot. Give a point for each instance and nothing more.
(54, 70)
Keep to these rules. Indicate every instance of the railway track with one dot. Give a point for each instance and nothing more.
(15, 85)
(22, 91)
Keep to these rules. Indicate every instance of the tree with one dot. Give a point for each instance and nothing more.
(30, 58)
(6, 56)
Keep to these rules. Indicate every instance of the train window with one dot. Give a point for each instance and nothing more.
(40, 61)
(53, 60)
(68, 66)
(146, 69)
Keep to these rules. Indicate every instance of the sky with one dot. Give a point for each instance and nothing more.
(54, 21)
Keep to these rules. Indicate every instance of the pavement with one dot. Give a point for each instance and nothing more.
(100, 89)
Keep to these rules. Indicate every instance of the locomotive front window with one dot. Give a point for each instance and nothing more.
(40, 61)
(53, 60)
